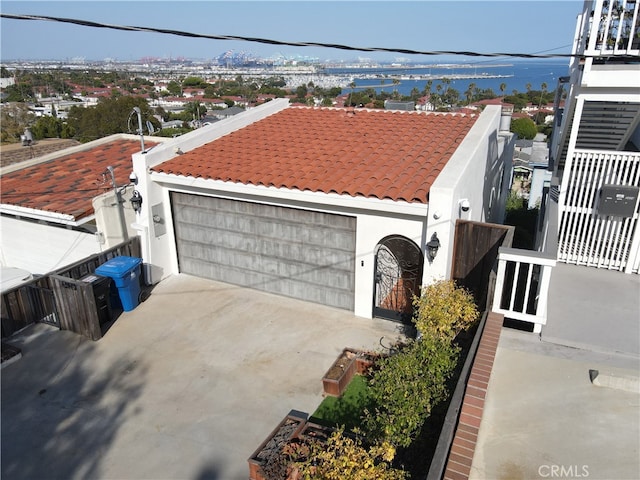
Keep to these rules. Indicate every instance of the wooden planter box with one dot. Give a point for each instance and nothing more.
(340, 374)
(365, 361)
(287, 429)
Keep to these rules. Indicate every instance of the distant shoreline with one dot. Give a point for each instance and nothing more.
(516, 75)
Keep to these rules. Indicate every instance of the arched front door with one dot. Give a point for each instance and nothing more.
(398, 275)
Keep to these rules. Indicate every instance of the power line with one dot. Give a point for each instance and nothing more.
(404, 51)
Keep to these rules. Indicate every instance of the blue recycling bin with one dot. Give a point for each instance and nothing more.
(125, 272)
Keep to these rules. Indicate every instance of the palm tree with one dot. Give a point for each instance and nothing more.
(467, 94)
(470, 91)
(438, 97)
(543, 90)
(352, 85)
(427, 88)
(396, 82)
(503, 87)
(446, 81)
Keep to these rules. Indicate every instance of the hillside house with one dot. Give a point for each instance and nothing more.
(335, 206)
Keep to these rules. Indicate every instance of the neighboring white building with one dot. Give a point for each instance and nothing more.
(590, 211)
(594, 149)
(7, 82)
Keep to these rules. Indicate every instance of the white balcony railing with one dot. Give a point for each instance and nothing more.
(522, 285)
(586, 237)
(611, 29)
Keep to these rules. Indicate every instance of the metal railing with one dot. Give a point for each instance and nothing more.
(611, 29)
(522, 285)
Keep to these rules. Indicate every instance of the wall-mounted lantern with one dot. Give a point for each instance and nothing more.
(136, 201)
(432, 247)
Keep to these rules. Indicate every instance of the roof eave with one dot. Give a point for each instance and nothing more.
(44, 216)
(246, 191)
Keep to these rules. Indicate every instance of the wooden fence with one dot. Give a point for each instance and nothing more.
(30, 302)
(62, 298)
(475, 255)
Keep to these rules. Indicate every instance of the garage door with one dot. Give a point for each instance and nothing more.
(298, 253)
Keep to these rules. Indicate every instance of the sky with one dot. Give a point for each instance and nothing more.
(512, 26)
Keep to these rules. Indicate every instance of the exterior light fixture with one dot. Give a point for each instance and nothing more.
(432, 247)
(136, 201)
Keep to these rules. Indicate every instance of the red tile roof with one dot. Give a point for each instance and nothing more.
(371, 153)
(491, 101)
(67, 184)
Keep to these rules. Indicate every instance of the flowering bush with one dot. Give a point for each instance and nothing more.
(444, 310)
(343, 456)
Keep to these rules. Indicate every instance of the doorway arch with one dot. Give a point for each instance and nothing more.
(399, 263)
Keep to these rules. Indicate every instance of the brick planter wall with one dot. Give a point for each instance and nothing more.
(466, 435)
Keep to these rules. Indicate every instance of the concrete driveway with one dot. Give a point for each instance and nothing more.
(185, 386)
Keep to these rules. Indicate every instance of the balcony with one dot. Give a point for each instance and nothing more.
(522, 285)
(607, 45)
(611, 30)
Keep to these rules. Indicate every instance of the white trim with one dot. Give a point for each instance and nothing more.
(290, 196)
(54, 217)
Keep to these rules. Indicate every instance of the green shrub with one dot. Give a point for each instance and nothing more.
(524, 128)
(405, 388)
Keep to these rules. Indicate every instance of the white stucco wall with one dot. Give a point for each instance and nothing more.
(107, 217)
(40, 248)
(478, 171)
(539, 177)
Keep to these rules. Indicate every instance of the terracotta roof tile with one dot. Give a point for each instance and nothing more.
(370, 153)
(67, 184)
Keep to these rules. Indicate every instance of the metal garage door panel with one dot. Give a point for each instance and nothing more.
(297, 253)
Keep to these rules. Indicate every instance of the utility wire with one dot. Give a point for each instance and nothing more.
(87, 23)
(480, 62)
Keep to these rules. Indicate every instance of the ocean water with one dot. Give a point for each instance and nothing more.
(514, 74)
